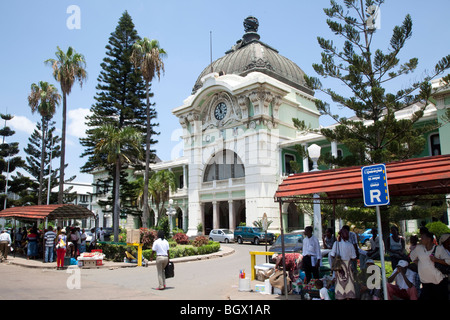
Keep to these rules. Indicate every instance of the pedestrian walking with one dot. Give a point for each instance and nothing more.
(5, 243)
(161, 249)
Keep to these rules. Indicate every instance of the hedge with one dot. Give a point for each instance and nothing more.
(116, 252)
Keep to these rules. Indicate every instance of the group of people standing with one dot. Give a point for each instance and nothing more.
(416, 272)
(51, 243)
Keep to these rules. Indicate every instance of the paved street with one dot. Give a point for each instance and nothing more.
(212, 279)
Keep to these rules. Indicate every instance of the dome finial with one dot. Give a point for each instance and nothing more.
(251, 24)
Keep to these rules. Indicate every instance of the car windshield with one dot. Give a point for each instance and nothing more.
(226, 231)
(290, 238)
(257, 229)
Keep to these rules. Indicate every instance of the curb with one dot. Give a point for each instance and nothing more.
(37, 264)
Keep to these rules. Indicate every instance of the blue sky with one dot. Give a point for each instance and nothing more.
(32, 29)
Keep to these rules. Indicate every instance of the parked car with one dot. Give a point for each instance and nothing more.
(108, 233)
(252, 234)
(293, 243)
(365, 236)
(89, 237)
(221, 235)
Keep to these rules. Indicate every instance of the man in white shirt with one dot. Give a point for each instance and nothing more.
(311, 255)
(5, 242)
(434, 283)
(404, 282)
(161, 249)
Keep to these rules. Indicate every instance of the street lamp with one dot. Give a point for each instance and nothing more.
(314, 154)
(170, 212)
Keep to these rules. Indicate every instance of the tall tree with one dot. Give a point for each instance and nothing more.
(34, 157)
(68, 67)
(118, 146)
(376, 135)
(44, 98)
(9, 161)
(120, 97)
(148, 57)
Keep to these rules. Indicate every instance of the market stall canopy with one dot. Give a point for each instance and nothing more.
(421, 176)
(52, 211)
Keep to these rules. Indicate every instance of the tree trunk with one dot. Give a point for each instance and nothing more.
(63, 152)
(145, 212)
(116, 210)
(41, 173)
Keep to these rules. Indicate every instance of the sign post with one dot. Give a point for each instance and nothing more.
(376, 194)
(265, 226)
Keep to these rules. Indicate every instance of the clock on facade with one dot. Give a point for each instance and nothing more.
(220, 111)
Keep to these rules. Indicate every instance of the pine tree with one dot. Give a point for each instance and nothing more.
(9, 162)
(120, 98)
(33, 160)
(375, 135)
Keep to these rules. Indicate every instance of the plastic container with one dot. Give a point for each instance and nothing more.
(244, 284)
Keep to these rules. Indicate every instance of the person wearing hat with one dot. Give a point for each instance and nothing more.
(61, 245)
(404, 282)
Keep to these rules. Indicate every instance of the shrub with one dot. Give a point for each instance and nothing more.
(181, 238)
(200, 241)
(148, 236)
(113, 252)
(438, 228)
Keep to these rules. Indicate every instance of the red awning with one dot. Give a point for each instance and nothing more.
(52, 211)
(421, 176)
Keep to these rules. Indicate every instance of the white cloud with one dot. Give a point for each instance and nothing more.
(21, 123)
(76, 122)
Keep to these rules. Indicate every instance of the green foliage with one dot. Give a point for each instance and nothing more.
(365, 72)
(438, 228)
(187, 250)
(120, 98)
(113, 252)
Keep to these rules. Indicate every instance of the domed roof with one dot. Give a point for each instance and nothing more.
(251, 55)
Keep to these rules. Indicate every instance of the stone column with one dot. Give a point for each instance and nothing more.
(216, 219)
(231, 215)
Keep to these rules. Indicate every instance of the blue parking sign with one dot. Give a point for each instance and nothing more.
(375, 185)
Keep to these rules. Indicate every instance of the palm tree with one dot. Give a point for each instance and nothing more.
(68, 67)
(147, 57)
(159, 185)
(44, 98)
(118, 145)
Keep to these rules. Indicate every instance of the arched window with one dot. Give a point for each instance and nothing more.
(224, 165)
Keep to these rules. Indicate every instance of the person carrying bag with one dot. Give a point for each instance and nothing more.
(161, 249)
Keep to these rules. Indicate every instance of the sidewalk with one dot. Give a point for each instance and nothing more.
(23, 262)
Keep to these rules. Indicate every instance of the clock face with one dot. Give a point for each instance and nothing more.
(220, 111)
